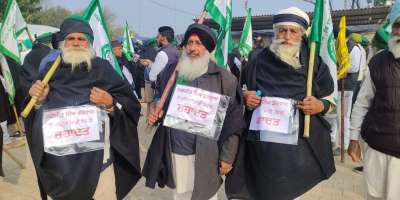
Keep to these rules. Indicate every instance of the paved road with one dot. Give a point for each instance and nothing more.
(21, 184)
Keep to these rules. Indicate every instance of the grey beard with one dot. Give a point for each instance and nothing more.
(394, 46)
(190, 69)
(288, 53)
(76, 56)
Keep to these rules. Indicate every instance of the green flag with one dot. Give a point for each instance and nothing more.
(246, 40)
(13, 25)
(94, 15)
(127, 44)
(382, 35)
(8, 80)
(322, 35)
(221, 12)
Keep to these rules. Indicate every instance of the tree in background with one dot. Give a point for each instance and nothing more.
(53, 16)
(28, 8)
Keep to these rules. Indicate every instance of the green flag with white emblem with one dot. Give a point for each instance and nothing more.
(127, 43)
(7, 80)
(322, 34)
(13, 24)
(246, 40)
(94, 15)
(221, 12)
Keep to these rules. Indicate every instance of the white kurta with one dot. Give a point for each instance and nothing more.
(381, 171)
(183, 169)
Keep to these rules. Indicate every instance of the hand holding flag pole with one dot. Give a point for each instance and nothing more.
(45, 80)
(307, 118)
(160, 106)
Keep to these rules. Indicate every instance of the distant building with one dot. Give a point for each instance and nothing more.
(365, 21)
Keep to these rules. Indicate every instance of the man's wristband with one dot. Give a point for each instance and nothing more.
(326, 104)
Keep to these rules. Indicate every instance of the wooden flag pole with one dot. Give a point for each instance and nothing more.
(342, 122)
(19, 163)
(310, 73)
(202, 16)
(29, 34)
(19, 127)
(45, 80)
(160, 106)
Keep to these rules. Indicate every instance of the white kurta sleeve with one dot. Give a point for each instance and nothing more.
(361, 106)
(159, 63)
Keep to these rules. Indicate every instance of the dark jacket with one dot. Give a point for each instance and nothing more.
(281, 171)
(381, 129)
(158, 167)
(75, 176)
(163, 77)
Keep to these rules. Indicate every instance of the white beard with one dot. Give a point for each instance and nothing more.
(288, 53)
(190, 69)
(394, 46)
(77, 56)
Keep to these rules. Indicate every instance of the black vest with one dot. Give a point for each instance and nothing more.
(163, 77)
(381, 127)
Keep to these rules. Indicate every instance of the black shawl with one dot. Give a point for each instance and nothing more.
(279, 171)
(76, 176)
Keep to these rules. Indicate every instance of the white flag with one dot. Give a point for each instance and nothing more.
(13, 24)
(94, 15)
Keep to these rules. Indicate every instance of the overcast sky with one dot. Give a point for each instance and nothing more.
(145, 16)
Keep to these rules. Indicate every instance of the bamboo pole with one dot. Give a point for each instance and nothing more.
(202, 16)
(160, 106)
(45, 80)
(310, 73)
(342, 122)
(19, 127)
(9, 154)
(29, 34)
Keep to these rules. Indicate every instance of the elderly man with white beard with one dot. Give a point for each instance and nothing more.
(279, 162)
(179, 157)
(73, 158)
(375, 117)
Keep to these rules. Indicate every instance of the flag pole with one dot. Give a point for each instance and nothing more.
(160, 106)
(45, 81)
(202, 17)
(310, 73)
(19, 163)
(29, 34)
(19, 127)
(342, 122)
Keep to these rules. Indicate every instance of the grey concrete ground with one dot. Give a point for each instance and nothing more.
(20, 184)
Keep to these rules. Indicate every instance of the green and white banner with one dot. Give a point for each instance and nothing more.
(246, 40)
(13, 24)
(94, 15)
(127, 44)
(8, 80)
(322, 34)
(221, 12)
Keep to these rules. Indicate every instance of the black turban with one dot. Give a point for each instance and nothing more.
(75, 24)
(206, 35)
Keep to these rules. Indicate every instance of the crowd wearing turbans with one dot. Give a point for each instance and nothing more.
(212, 125)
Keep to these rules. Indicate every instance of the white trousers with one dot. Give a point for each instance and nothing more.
(6, 134)
(184, 169)
(381, 175)
(336, 124)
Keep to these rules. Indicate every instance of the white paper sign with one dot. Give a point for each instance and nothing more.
(273, 114)
(70, 125)
(194, 105)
